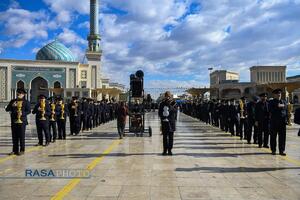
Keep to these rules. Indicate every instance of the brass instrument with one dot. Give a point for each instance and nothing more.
(19, 112)
(242, 109)
(62, 111)
(43, 106)
(52, 112)
(76, 109)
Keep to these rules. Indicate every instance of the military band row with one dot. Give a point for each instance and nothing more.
(51, 117)
(259, 119)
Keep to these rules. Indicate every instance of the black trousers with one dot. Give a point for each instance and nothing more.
(18, 137)
(263, 133)
(43, 130)
(52, 125)
(75, 126)
(167, 136)
(90, 123)
(234, 123)
(61, 124)
(121, 127)
(84, 119)
(278, 128)
(252, 127)
(299, 132)
(243, 128)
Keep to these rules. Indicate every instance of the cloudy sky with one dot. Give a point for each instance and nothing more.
(173, 41)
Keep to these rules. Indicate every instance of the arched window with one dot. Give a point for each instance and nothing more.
(20, 85)
(57, 84)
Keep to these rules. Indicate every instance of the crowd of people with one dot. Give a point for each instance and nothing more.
(51, 117)
(259, 120)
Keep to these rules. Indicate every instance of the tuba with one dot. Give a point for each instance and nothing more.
(52, 112)
(43, 106)
(62, 111)
(242, 109)
(19, 112)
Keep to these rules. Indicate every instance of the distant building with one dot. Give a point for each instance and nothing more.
(225, 84)
(296, 93)
(223, 76)
(268, 74)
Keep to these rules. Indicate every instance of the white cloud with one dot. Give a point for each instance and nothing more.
(21, 26)
(69, 37)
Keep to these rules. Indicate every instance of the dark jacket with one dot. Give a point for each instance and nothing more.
(122, 113)
(278, 114)
(297, 116)
(39, 113)
(14, 111)
(262, 112)
(172, 114)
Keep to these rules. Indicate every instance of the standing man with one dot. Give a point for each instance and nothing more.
(75, 114)
(251, 121)
(122, 113)
(62, 113)
(297, 118)
(84, 114)
(278, 122)
(243, 118)
(233, 118)
(52, 120)
(42, 112)
(262, 120)
(19, 108)
(168, 114)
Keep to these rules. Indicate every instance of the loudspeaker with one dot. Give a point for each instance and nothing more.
(137, 88)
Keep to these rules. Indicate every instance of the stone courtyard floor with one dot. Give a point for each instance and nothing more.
(207, 164)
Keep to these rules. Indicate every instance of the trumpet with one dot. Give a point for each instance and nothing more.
(43, 106)
(52, 112)
(62, 111)
(19, 112)
(242, 109)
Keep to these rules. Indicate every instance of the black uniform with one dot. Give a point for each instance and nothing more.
(42, 125)
(75, 117)
(168, 120)
(243, 121)
(297, 118)
(251, 122)
(84, 115)
(278, 121)
(61, 120)
(52, 123)
(234, 119)
(18, 129)
(262, 117)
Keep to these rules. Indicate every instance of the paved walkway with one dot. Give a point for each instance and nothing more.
(207, 164)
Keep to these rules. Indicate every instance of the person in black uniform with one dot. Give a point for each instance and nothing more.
(90, 114)
(251, 121)
(52, 120)
(278, 122)
(42, 112)
(297, 118)
(74, 108)
(62, 113)
(262, 120)
(19, 108)
(243, 111)
(168, 114)
(233, 118)
(84, 114)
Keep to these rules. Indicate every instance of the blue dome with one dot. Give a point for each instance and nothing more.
(55, 51)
